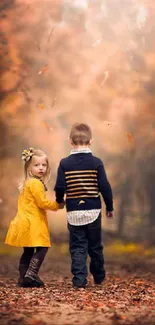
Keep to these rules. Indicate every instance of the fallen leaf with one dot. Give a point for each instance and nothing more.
(140, 282)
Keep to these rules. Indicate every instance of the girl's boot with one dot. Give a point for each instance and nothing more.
(31, 278)
(22, 271)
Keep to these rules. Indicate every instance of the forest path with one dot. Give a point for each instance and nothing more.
(127, 296)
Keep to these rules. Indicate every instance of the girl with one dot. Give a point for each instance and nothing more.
(29, 229)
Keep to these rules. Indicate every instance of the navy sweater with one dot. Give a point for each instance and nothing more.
(82, 178)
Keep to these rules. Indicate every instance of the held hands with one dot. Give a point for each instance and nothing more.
(109, 214)
(61, 205)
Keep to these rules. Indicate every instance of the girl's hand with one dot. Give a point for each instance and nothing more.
(109, 214)
(61, 205)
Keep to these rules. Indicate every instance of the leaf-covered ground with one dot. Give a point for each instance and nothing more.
(127, 296)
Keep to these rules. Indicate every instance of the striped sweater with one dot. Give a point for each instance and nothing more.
(81, 184)
(82, 178)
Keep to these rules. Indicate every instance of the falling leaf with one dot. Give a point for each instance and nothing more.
(37, 45)
(97, 42)
(53, 101)
(130, 137)
(43, 70)
(46, 126)
(106, 76)
(109, 123)
(51, 34)
(41, 106)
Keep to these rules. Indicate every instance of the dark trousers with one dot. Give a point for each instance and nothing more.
(86, 240)
(29, 252)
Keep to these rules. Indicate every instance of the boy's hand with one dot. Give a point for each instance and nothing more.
(109, 214)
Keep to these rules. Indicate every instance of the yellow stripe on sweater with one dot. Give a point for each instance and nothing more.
(82, 180)
(84, 175)
(81, 171)
(82, 184)
(80, 196)
(78, 192)
(82, 188)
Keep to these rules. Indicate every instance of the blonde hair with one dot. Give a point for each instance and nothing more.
(80, 134)
(27, 165)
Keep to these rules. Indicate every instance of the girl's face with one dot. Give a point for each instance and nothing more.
(38, 166)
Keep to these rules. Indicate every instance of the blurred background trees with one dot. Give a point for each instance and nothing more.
(91, 61)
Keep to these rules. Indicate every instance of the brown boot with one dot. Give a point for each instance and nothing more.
(31, 278)
(22, 271)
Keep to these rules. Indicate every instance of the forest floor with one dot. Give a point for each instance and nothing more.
(127, 296)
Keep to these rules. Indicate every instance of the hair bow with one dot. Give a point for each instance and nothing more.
(27, 154)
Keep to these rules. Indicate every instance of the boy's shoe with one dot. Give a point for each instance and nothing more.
(78, 285)
(99, 283)
(79, 288)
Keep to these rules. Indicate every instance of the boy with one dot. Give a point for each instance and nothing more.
(82, 177)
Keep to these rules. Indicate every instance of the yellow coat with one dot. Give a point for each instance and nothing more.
(29, 228)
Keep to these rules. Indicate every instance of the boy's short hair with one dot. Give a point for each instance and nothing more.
(80, 134)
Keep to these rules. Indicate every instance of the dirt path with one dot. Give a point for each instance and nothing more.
(127, 296)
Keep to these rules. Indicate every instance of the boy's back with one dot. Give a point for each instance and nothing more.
(82, 177)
